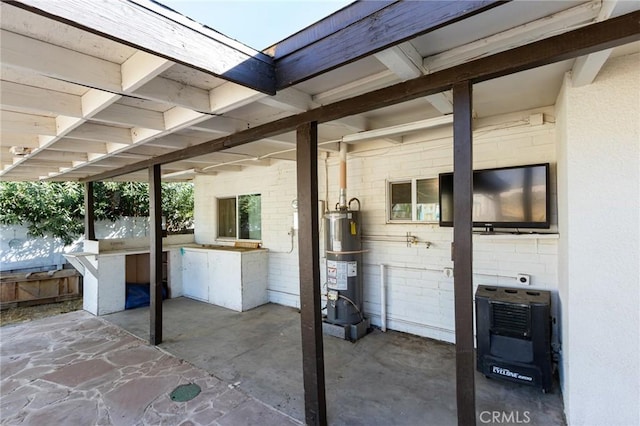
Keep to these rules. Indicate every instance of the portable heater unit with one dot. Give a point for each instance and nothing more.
(513, 335)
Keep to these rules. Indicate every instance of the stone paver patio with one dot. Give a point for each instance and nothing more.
(77, 369)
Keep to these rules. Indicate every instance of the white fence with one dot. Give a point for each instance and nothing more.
(19, 251)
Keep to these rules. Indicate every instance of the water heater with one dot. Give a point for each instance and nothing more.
(343, 245)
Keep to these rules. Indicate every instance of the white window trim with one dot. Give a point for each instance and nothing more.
(414, 202)
(234, 239)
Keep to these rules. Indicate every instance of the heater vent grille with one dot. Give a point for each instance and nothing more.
(510, 319)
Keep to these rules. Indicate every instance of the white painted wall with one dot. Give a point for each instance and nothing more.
(599, 186)
(277, 185)
(419, 297)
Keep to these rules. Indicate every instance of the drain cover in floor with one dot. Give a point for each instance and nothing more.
(185, 393)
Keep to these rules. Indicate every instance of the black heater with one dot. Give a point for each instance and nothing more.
(513, 335)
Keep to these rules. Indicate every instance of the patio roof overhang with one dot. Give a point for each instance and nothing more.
(82, 96)
(584, 41)
(154, 82)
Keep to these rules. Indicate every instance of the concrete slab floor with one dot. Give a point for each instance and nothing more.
(77, 369)
(385, 379)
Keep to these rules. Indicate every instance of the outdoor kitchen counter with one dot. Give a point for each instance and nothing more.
(220, 247)
(108, 265)
(227, 276)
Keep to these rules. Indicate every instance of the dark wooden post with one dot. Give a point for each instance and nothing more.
(463, 250)
(315, 405)
(89, 212)
(155, 255)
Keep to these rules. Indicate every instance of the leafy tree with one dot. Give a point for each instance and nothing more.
(54, 208)
(177, 205)
(57, 209)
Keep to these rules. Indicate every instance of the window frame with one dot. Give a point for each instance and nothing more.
(236, 218)
(414, 200)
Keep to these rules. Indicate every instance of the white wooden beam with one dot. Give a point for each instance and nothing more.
(399, 130)
(102, 133)
(166, 143)
(32, 172)
(354, 123)
(137, 75)
(223, 168)
(65, 156)
(255, 162)
(23, 98)
(357, 87)
(175, 119)
(136, 71)
(586, 68)
(296, 101)
(138, 25)
(520, 35)
(240, 160)
(113, 147)
(46, 163)
(15, 139)
(406, 62)
(95, 101)
(149, 150)
(441, 101)
(291, 100)
(54, 61)
(403, 60)
(141, 68)
(183, 174)
(171, 92)
(131, 116)
(218, 125)
(79, 145)
(230, 96)
(92, 102)
(18, 122)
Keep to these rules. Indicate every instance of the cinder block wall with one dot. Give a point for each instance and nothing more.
(419, 296)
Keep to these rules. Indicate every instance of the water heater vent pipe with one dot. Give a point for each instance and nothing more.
(342, 200)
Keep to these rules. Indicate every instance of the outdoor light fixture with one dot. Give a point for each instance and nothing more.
(20, 151)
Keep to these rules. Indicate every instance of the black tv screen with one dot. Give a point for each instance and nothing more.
(508, 197)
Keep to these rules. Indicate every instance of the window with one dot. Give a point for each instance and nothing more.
(414, 200)
(240, 217)
(427, 207)
(400, 201)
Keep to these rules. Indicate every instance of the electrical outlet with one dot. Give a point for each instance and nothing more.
(447, 272)
(523, 279)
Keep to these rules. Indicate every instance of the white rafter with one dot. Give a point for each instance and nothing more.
(357, 87)
(138, 76)
(135, 71)
(18, 122)
(291, 99)
(406, 62)
(30, 99)
(586, 68)
(523, 34)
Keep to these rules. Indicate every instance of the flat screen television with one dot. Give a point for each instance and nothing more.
(507, 197)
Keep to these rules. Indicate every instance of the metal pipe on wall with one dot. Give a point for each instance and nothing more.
(383, 299)
(342, 201)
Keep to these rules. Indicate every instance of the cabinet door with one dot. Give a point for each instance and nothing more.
(226, 283)
(195, 275)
